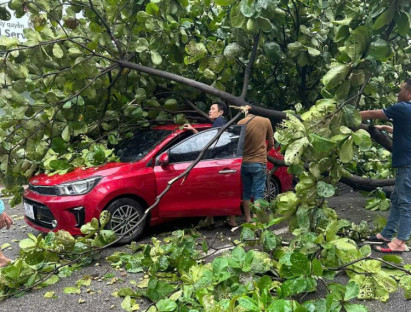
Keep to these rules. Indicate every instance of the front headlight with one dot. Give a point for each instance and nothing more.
(79, 187)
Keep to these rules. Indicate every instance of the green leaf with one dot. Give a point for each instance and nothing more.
(4, 14)
(295, 150)
(220, 269)
(224, 2)
(269, 240)
(294, 46)
(313, 52)
(273, 51)
(352, 307)
(362, 139)
(352, 291)
(248, 304)
(237, 18)
(72, 290)
(4, 246)
(335, 75)
(385, 18)
(156, 57)
(357, 43)
(321, 144)
(297, 285)
(7, 43)
(158, 289)
(57, 51)
(282, 305)
(351, 117)
(380, 50)
(58, 145)
(403, 23)
(27, 243)
(50, 294)
(66, 133)
(232, 51)
(264, 24)
(347, 151)
(392, 259)
(324, 189)
(247, 8)
(152, 9)
(166, 305)
(130, 304)
(316, 267)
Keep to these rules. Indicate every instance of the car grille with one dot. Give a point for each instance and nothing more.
(43, 190)
(42, 214)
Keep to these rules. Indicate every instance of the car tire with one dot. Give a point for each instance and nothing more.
(125, 213)
(272, 189)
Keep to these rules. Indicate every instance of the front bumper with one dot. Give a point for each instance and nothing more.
(53, 213)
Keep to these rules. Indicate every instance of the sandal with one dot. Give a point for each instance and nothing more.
(375, 240)
(384, 248)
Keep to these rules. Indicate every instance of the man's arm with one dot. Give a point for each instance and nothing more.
(270, 144)
(373, 114)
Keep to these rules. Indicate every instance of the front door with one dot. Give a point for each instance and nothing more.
(213, 186)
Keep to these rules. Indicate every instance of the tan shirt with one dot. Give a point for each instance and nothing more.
(257, 131)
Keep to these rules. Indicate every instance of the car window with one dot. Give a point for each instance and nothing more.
(140, 144)
(227, 146)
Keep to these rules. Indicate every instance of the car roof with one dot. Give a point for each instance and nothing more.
(173, 127)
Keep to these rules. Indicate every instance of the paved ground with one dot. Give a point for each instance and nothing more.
(98, 297)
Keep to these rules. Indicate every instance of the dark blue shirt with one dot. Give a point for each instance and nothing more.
(400, 113)
(219, 122)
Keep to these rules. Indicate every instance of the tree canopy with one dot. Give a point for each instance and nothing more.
(92, 72)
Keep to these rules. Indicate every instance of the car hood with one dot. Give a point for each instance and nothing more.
(80, 174)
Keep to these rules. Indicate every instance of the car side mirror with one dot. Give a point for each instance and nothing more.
(163, 159)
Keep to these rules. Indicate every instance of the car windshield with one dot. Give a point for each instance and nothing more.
(140, 144)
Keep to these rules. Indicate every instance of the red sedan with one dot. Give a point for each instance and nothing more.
(147, 162)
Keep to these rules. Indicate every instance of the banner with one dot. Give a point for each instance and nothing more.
(13, 28)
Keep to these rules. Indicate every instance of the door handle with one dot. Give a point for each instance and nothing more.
(226, 171)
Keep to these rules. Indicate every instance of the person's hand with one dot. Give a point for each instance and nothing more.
(5, 220)
(188, 127)
(384, 128)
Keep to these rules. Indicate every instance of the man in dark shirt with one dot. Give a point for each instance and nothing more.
(399, 220)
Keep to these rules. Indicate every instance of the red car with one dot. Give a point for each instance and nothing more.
(147, 162)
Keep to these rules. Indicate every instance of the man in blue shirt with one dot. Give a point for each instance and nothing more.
(399, 220)
(5, 221)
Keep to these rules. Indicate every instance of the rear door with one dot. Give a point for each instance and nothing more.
(213, 186)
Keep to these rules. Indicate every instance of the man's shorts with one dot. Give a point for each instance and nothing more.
(254, 176)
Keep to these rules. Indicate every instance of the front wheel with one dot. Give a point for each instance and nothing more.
(272, 189)
(125, 214)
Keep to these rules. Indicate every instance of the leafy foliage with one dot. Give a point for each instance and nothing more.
(44, 260)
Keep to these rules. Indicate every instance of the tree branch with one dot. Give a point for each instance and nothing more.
(250, 66)
(107, 27)
(277, 115)
(354, 181)
(199, 111)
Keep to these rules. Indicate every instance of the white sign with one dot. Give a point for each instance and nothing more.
(13, 28)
